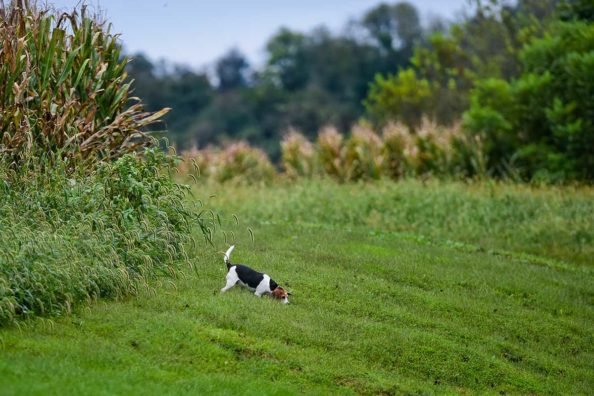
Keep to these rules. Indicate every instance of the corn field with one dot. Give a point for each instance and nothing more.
(396, 152)
(63, 87)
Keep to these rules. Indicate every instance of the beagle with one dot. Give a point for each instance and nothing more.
(257, 282)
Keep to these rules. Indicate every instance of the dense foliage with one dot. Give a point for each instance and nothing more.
(519, 74)
(69, 237)
(87, 208)
(63, 88)
(446, 66)
(522, 76)
(542, 122)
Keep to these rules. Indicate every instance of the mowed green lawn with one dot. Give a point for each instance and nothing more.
(397, 288)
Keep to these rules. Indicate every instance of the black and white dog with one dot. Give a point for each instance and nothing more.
(257, 282)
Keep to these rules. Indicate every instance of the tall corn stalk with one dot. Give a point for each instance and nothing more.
(298, 155)
(63, 88)
(364, 157)
(330, 147)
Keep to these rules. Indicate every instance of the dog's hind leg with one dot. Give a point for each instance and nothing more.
(231, 278)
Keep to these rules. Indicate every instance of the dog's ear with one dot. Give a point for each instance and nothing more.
(289, 293)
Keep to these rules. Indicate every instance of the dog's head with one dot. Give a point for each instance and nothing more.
(281, 294)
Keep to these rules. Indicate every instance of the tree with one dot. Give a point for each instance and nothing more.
(287, 59)
(485, 45)
(548, 112)
(231, 70)
(394, 27)
(401, 97)
(184, 90)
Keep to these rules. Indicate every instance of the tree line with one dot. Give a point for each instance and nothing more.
(518, 74)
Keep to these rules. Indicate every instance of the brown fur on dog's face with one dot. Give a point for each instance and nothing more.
(279, 293)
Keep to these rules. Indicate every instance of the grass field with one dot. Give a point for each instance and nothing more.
(405, 288)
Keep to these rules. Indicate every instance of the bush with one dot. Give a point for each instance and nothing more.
(432, 150)
(435, 148)
(63, 88)
(67, 237)
(199, 164)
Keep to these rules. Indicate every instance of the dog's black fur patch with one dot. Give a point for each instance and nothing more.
(250, 277)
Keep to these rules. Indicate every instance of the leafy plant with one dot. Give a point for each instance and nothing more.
(401, 97)
(241, 163)
(542, 121)
(63, 88)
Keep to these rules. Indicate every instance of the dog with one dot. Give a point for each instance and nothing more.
(257, 282)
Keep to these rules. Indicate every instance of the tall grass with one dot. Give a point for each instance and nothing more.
(553, 223)
(69, 237)
(330, 148)
(250, 163)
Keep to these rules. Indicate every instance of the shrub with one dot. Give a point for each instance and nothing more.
(63, 88)
(237, 163)
(434, 148)
(430, 150)
(198, 163)
(401, 97)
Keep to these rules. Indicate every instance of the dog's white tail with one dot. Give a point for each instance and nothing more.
(228, 254)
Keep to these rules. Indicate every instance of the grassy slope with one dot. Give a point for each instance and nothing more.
(376, 308)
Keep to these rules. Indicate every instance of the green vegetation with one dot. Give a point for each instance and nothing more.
(550, 103)
(398, 288)
(71, 237)
(87, 208)
(517, 73)
(520, 75)
(555, 225)
(421, 286)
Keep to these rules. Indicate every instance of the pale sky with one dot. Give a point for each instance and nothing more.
(198, 32)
